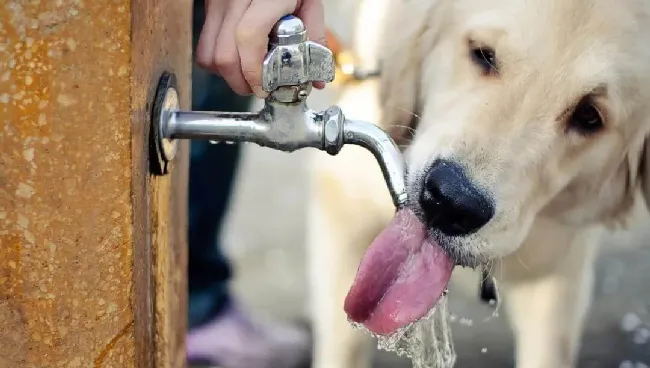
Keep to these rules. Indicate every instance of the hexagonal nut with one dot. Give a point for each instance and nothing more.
(333, 121)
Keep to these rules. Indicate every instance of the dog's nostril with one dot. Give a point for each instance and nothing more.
(451, 202)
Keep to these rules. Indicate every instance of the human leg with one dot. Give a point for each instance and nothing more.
(220, 332)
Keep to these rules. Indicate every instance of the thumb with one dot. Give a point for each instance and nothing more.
(312, 14)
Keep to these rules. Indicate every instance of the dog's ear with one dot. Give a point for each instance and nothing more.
(406, 42)
(634, 178)
(644, 171)
(618, 195)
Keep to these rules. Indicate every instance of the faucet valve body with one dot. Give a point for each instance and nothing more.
(285, 122)
(293, 60)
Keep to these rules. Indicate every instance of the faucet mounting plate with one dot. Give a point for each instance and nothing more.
(166, 102)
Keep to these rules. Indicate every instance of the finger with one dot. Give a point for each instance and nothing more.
(312, 14)
(332, 41)
(252, 37)
(226, 53)
(215, 10)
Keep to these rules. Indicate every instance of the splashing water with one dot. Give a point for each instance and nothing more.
(427, 343)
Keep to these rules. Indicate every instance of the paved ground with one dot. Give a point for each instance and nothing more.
(264, 235)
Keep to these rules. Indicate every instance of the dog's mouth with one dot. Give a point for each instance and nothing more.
(401, 277)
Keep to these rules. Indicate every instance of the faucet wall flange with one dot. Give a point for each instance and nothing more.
(166, 103)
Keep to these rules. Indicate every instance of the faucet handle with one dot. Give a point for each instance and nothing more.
(293, 59)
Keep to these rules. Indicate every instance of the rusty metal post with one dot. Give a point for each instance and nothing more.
(92, 246)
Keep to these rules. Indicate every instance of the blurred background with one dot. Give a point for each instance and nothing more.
(264, 237)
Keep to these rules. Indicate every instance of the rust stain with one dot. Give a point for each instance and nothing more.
(65, 182)
(111, 344)
(76, 77)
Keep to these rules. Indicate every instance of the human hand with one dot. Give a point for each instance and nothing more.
(234, 39)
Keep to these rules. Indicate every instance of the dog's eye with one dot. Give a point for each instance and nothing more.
(484, 58)
(586, 118)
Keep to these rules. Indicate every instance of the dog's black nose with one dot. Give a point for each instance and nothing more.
(451, 202)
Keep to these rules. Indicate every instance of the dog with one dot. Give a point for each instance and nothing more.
(525, 126)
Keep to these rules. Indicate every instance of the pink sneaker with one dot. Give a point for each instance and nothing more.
(232, 340)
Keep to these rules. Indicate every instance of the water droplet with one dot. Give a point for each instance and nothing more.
(630, 322)
(641, 336)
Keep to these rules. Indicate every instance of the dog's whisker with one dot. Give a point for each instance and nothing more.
(403, 110)
(500, 269)
(522, 262)
(410, 131)
(404, 126)
(488, 266)
(492, 66)
(498, 304)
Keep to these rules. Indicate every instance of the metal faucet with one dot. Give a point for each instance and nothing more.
(285, 122)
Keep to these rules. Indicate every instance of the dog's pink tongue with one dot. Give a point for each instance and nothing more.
(401, 277)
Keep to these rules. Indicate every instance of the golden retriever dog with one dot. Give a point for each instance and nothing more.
(525, 126)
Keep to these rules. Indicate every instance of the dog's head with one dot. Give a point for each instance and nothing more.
(521, 109)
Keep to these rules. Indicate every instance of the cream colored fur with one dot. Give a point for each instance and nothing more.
(555, 191)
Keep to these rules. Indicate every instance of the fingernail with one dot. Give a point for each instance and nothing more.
(259, 92)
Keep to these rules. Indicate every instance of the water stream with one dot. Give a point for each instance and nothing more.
(427, 343)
